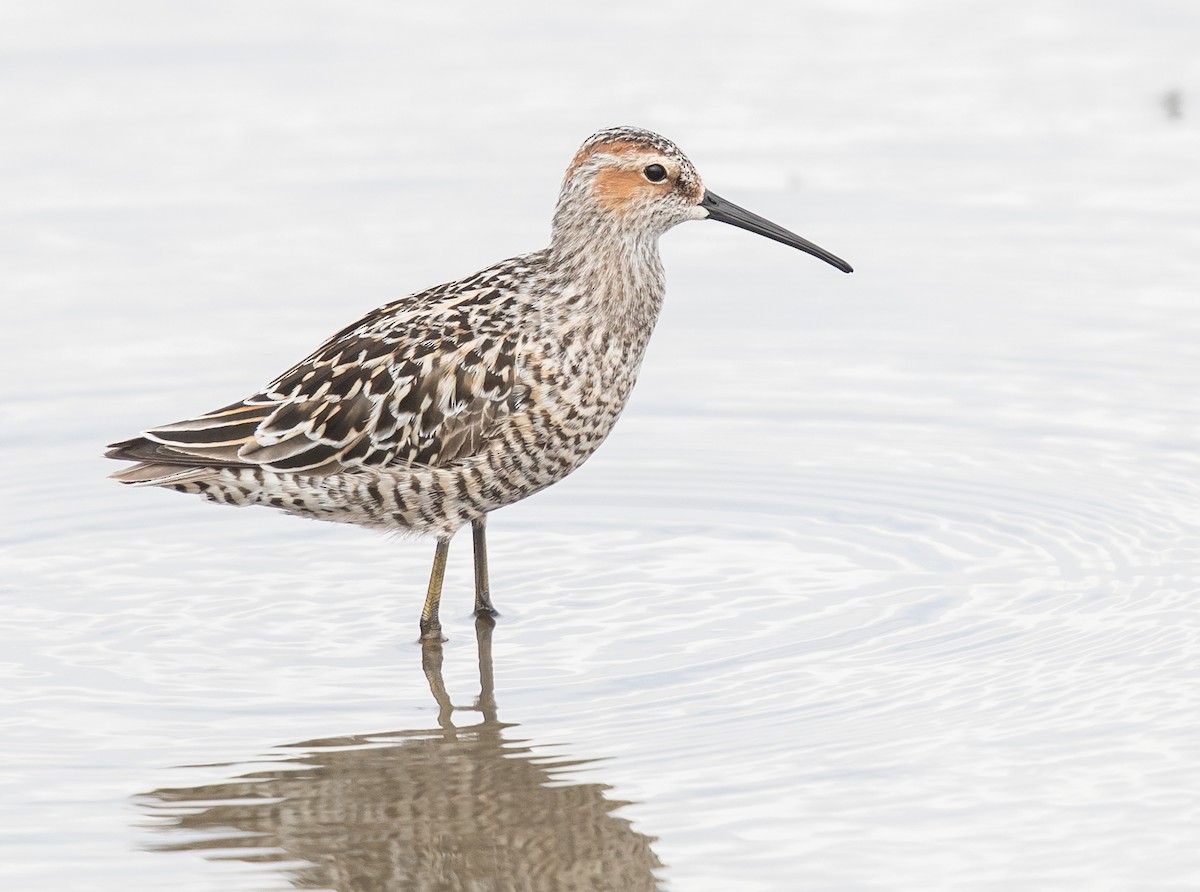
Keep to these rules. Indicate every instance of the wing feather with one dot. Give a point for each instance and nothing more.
(404, 386)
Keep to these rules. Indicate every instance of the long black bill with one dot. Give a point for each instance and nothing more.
(728, 212)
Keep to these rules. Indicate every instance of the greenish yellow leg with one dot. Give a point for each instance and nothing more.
(431, 626)
(483, 595)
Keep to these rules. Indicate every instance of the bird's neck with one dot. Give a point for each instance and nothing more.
(611, 273)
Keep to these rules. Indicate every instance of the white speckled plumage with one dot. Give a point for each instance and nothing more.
(434, 410)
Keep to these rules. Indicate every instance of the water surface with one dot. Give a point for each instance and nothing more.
(884, 581)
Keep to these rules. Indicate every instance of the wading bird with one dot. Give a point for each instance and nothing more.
(435, 410)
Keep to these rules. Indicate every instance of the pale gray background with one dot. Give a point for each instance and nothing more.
(885, 581)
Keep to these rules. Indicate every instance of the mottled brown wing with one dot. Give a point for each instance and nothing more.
(396, 388)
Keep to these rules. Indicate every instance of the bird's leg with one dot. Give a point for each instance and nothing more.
(431, 626)
(483, 597)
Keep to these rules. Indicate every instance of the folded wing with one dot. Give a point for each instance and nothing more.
(394, 389)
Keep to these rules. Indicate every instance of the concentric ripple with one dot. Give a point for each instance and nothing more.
(884, 581)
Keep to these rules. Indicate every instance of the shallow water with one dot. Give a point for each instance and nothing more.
(884, 581)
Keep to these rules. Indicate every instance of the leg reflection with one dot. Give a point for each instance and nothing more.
(432, 656)
(463, 805)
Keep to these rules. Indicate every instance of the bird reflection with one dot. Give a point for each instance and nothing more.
(439, 809)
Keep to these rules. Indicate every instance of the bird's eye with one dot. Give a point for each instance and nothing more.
(655, 173)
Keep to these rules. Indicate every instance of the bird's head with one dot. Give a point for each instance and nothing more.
(630, 182)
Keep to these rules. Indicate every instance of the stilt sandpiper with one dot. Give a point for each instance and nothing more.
(433, 411)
